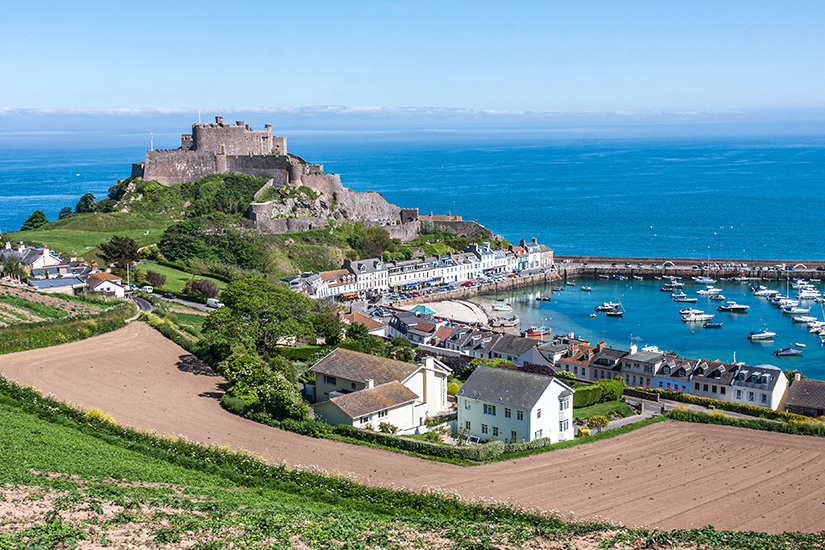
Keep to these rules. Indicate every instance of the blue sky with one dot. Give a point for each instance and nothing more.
(515, 56)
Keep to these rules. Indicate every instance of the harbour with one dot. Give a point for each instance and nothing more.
(652, 318)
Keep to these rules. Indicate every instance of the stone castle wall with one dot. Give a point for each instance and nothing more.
(467, 228)
(168, 166)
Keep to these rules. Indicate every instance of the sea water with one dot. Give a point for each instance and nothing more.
(651, 317)
(742, 198)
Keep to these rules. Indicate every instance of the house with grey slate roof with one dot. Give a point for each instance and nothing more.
(509, 405)
(364, 390)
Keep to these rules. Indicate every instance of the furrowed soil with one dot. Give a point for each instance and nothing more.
(667, 475)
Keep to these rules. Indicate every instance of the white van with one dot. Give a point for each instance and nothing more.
(147, 289)
(213, 302)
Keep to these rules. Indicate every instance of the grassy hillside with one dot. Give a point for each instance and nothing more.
(69, 477)
(175, 278)
(81, 234)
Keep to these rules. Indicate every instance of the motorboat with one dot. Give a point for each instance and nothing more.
(558, 288)
(717, 297)
(762, 291)
(699, 317)
(733, 307)
(712, 325)
(606, 306)
(586, 288)
(803, 319)
(795, 310)
(709, 291)
(761, 334)
(689, 310)
(570, 283)
(789, 351)
(679, 294)
(703, 280)
(614, 313)
(686, 300)
(638, 277)
(501, 307)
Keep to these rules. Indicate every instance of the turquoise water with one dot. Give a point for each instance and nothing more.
(652, 318)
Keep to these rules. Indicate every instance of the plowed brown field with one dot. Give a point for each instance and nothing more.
(669, 475)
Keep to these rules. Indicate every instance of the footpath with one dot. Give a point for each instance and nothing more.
(651, 409)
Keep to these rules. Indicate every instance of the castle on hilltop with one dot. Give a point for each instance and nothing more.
(216, 148)
(297, 195)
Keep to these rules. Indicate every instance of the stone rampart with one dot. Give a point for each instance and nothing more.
(404, 232)
(168, 166)
(269, 166)
(289, 225)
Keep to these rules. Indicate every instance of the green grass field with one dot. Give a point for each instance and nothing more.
(175, 278)
(81, 234)
(605, 409)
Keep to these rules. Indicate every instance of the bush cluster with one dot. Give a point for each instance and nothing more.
(527, 445)
(476, 453)
(809, 427)
(751, 410)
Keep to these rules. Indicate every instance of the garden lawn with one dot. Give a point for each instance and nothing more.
(175, 278)
(604, 409)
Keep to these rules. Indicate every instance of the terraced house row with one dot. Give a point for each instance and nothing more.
(477, 261)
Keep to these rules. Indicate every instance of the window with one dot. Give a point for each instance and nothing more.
(713, 389)
(563, 425)
(537, 435)
(484, 428)
(634, 379)
(382, 414)
(467, 425)
(750, 396)
(738, 394)
(466, 405)
(508, 413)
(722, 390)
(330, 380)
(495, 431)
(764, 397)
(696, 386)
(704, 387)
(564, 404)
(513, 436)
(538, 413)
(520, 415)
(489, 409)
(365, 419)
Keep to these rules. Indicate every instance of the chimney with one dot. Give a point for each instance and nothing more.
(429, 362)
(633, 349)
(21, 247)
(8, 245)
(370, 383)
(797, 377)
(239, 123)
(219, 119)
(600, 346)
(535, 241)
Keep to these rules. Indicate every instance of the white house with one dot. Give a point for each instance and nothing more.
(510, 406)
(105, 283)
(364, 390)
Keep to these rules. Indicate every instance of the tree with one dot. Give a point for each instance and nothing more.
(329, 326)
(120, 250)
(258, 315)
(156, 279)
(201, 287)
(85, 204)
(361, 334)
(13, 268)
(65, 212)
(37, 218)
(599, 421)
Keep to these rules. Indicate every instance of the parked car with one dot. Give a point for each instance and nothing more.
(147, 289)
(168, 295)
(213, 302)
(468, 283)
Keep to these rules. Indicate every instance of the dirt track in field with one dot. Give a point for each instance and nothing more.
(668, 475)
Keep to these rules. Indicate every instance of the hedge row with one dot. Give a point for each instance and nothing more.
(167, 327)
(527, 445)
(810, 427)
(750, 410)
(477, 453)
(52, 333)
(598, 392)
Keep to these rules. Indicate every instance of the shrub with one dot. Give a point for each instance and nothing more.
(453, 388)
(583, 432)
(387, 428)
(157, 280)
(527, 445)
(801, 428)
(751, 410)
(205, 288)
(565, 374)
(478, 453)
(611, 389)
(599, 422)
